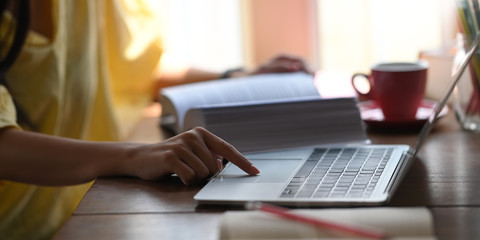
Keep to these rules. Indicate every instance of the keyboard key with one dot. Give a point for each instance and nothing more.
(305, 193)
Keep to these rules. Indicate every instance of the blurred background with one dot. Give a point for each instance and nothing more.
(332, 35)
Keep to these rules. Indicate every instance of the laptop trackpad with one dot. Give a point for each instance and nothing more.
(271, 171)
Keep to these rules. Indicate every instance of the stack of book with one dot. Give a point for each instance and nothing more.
(263, 112)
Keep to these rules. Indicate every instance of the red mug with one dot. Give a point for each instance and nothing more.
(397, 87)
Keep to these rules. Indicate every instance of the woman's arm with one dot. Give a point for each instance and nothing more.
(169, 75)
(46, 160)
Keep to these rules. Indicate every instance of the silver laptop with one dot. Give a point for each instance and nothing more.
(337, 175)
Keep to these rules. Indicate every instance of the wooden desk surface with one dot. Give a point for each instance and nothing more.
(444, 177)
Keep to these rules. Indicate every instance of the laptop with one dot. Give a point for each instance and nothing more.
(335, 175)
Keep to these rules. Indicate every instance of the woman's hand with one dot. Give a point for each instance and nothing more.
(282, 64)
(194, 156)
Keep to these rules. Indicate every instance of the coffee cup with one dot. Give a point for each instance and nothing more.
(397, 87)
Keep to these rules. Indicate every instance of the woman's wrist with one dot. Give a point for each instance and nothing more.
(118, 159)
(234, 72)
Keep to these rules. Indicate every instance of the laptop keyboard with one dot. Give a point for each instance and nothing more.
(339, 173)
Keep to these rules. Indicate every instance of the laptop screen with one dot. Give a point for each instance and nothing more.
(438, 108)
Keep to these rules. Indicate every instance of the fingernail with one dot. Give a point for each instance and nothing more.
(255, 170)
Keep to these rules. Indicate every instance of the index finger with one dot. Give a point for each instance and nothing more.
(229, 152)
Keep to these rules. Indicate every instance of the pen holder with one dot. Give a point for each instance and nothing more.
(466, 96)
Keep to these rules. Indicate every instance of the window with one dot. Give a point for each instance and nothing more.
(354, 34)
(203, 33)
(344, 35)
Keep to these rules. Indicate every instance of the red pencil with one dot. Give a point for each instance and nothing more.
(285, 213)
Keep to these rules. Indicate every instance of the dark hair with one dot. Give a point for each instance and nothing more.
(10, 49)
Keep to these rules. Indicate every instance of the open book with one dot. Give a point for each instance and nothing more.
(262, 112)
(397, 223)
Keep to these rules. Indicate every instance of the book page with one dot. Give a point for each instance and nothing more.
(247, 89)
(398, 223)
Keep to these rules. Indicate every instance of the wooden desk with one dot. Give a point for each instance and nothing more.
(445, 178)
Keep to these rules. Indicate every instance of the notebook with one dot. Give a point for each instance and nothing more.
(336, 175)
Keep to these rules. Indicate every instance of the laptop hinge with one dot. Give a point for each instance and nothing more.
(404, 163)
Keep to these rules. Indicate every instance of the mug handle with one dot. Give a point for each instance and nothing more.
(362, 94)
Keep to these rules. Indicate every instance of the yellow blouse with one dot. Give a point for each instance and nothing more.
(95, 70)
